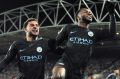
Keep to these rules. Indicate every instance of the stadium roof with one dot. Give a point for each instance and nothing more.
(6, 5)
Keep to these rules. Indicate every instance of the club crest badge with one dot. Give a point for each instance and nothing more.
(39, 49)
(90, 33)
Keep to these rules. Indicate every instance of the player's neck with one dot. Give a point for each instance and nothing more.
(30, 38)
(83, 24)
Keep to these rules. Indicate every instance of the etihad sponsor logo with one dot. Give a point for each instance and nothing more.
(32, 58)
(78, 40)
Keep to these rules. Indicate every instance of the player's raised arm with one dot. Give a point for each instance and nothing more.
(112, 26)
(9, 56)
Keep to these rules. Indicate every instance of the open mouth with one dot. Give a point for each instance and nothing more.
(35, 30)
(90, 17)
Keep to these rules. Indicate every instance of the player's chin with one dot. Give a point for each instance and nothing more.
(35, 33)
(89, 20)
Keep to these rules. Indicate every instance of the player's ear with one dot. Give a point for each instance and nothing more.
(78, 18)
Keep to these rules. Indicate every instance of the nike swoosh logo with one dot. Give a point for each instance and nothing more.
(73, 32)
(21, 50)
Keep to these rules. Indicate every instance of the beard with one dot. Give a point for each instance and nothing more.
(86, 20)
(32, 35)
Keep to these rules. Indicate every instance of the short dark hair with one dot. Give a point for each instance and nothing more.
(28, 20)
(83, 7)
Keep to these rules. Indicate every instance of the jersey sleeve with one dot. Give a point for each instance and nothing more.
(112, 25)
(111, 77)
(62, 35)
(9, 56)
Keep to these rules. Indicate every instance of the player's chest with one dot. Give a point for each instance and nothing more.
(81, 37)
(31, 52)
(32, 47)
(81, 33)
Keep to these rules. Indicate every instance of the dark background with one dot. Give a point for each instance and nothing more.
(12, 4)
(6, 5)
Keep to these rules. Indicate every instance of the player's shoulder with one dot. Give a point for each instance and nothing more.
(48, 40)
(21, 41)
(70, 26)
(18, 42)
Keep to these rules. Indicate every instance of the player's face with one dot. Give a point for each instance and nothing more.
(85, 15)
(32, 28)
(117, 71)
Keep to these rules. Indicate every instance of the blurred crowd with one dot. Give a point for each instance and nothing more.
(97, 68)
